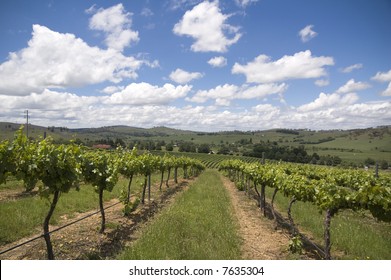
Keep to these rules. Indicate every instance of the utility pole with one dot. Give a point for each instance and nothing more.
(27, 122)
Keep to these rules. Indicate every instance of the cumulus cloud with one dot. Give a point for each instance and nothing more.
(182, 77)
(307, 33)
(384, 77)
(329, 100)
(116, 23)
(112, 89)
(352, 67)
(47, 100)
(387, 91)
(223, 95)
(352, 86)
(71, 110)
(207, 25)
(147, 94)
(301, 65)
(58, 60)
(218, 61)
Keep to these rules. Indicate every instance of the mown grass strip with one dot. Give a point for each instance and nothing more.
(199, 225)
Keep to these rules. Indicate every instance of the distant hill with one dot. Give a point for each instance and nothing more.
(7, 131)
(354, 145)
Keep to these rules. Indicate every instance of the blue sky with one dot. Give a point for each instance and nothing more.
(199, 65)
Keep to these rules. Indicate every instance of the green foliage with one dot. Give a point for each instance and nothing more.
(296, 245)
(100, 169)
(58, 167)
(23, 155)
(131, 207)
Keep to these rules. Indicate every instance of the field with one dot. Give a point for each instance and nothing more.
(173, 204)
(352, 146)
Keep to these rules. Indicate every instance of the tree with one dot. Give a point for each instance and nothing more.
(224, 150)
(369, 161)
(169, 147)
(384, 164)
(204, 148)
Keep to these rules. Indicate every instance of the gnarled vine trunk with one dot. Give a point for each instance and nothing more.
(46, 225)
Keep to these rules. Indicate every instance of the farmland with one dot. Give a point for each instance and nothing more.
(351, 146)
(59, 183)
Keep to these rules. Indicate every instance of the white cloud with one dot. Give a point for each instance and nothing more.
(307, 33)
(48, 100)
(301, 65)
(384, 77)
(218, 61)
(322, 83)
(223, 95)
(182, 77)
(207, 25)
(352, 67)
(352, 86)
(67, 109)
(244, 3)
(116, 23)
(57, 60)
(329, 100)
(387, 92)
(147, 94)
(112, 89)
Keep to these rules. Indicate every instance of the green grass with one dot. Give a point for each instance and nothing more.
(199, 225)
(24, 217)
(353, 235)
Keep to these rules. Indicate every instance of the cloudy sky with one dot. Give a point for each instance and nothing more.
(198, 65)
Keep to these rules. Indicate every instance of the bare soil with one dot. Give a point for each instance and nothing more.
(260, 238)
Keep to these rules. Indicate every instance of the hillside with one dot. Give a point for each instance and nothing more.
(354, 145)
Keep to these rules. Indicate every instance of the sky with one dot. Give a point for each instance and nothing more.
(196, 65)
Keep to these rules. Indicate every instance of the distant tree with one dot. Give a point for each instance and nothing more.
(369, 161)
(119, 142)
(187, 147)
(169, 147)
(204, 148)
(384, 165)
(223, 150)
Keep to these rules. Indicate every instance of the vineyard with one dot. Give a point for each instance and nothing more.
(210, 160)
(330, 190)
(62, 168)
(59, 172)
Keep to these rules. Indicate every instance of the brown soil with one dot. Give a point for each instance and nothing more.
(260, 239)
(82, 240)
(14, 194)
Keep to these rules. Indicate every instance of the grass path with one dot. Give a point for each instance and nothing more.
(198, 225)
